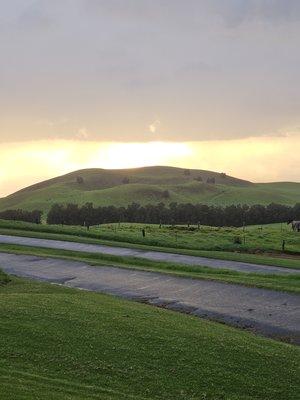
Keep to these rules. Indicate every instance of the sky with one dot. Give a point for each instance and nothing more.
(205, 84)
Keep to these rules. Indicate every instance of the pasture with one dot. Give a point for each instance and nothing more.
(264, 238)
(60, 343)
(239, 243)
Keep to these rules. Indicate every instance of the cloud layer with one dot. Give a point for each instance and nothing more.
(109, 69)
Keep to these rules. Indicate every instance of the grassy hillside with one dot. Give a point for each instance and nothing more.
(149, 185)
(60, 343)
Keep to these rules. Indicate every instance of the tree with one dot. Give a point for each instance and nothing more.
(87, 215)
(185, 213)
(296, 211)
(211, 180)
(79, 180)
(72, 214)
(56, 214)
(22, 215)
(36, 216)
(125, 180)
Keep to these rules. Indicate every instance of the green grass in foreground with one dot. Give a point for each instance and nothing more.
(188, 242)
(287, 282)
(58, 343)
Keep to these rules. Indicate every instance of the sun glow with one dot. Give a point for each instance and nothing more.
(46, 159)
(132, 155)
(256, 159)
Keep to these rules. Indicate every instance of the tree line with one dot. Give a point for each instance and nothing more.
(186, 213)
(233, 215)
(22, 215)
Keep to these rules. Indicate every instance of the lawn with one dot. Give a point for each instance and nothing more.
(284, 282)
(58, 343)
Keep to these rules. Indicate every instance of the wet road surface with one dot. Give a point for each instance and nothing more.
(150, 255)
(270, 313)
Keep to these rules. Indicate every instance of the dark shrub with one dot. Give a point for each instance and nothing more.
(237, 240)
(165, 194)
(211, 180)
(199, 178)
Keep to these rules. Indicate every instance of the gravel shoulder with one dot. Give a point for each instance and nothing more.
(270, 313)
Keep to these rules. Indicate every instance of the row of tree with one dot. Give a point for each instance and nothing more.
(22, 215)
(233, 215)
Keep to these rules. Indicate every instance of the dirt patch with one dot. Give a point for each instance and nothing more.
(291, 256)
(275, 254)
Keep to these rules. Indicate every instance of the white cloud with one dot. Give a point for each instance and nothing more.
(154, 126)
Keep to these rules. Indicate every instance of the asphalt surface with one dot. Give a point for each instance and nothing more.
(150, 255)
(270, 313)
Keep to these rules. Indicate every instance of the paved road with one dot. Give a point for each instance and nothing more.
(150, 255)
(271, 313)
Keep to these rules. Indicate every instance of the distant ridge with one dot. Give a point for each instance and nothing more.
(149, 185)
(155, 174)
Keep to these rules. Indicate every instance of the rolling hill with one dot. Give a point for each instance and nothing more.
(149, 185)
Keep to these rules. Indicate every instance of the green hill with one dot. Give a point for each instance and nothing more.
(149, 185)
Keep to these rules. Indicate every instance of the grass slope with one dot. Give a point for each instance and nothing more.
(148, 185)
(59, 343)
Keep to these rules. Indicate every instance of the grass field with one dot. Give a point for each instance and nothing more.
(148, 185)
(284, 282)
(261, 244)
(58, 343)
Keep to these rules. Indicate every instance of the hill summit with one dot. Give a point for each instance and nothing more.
(155, 184)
